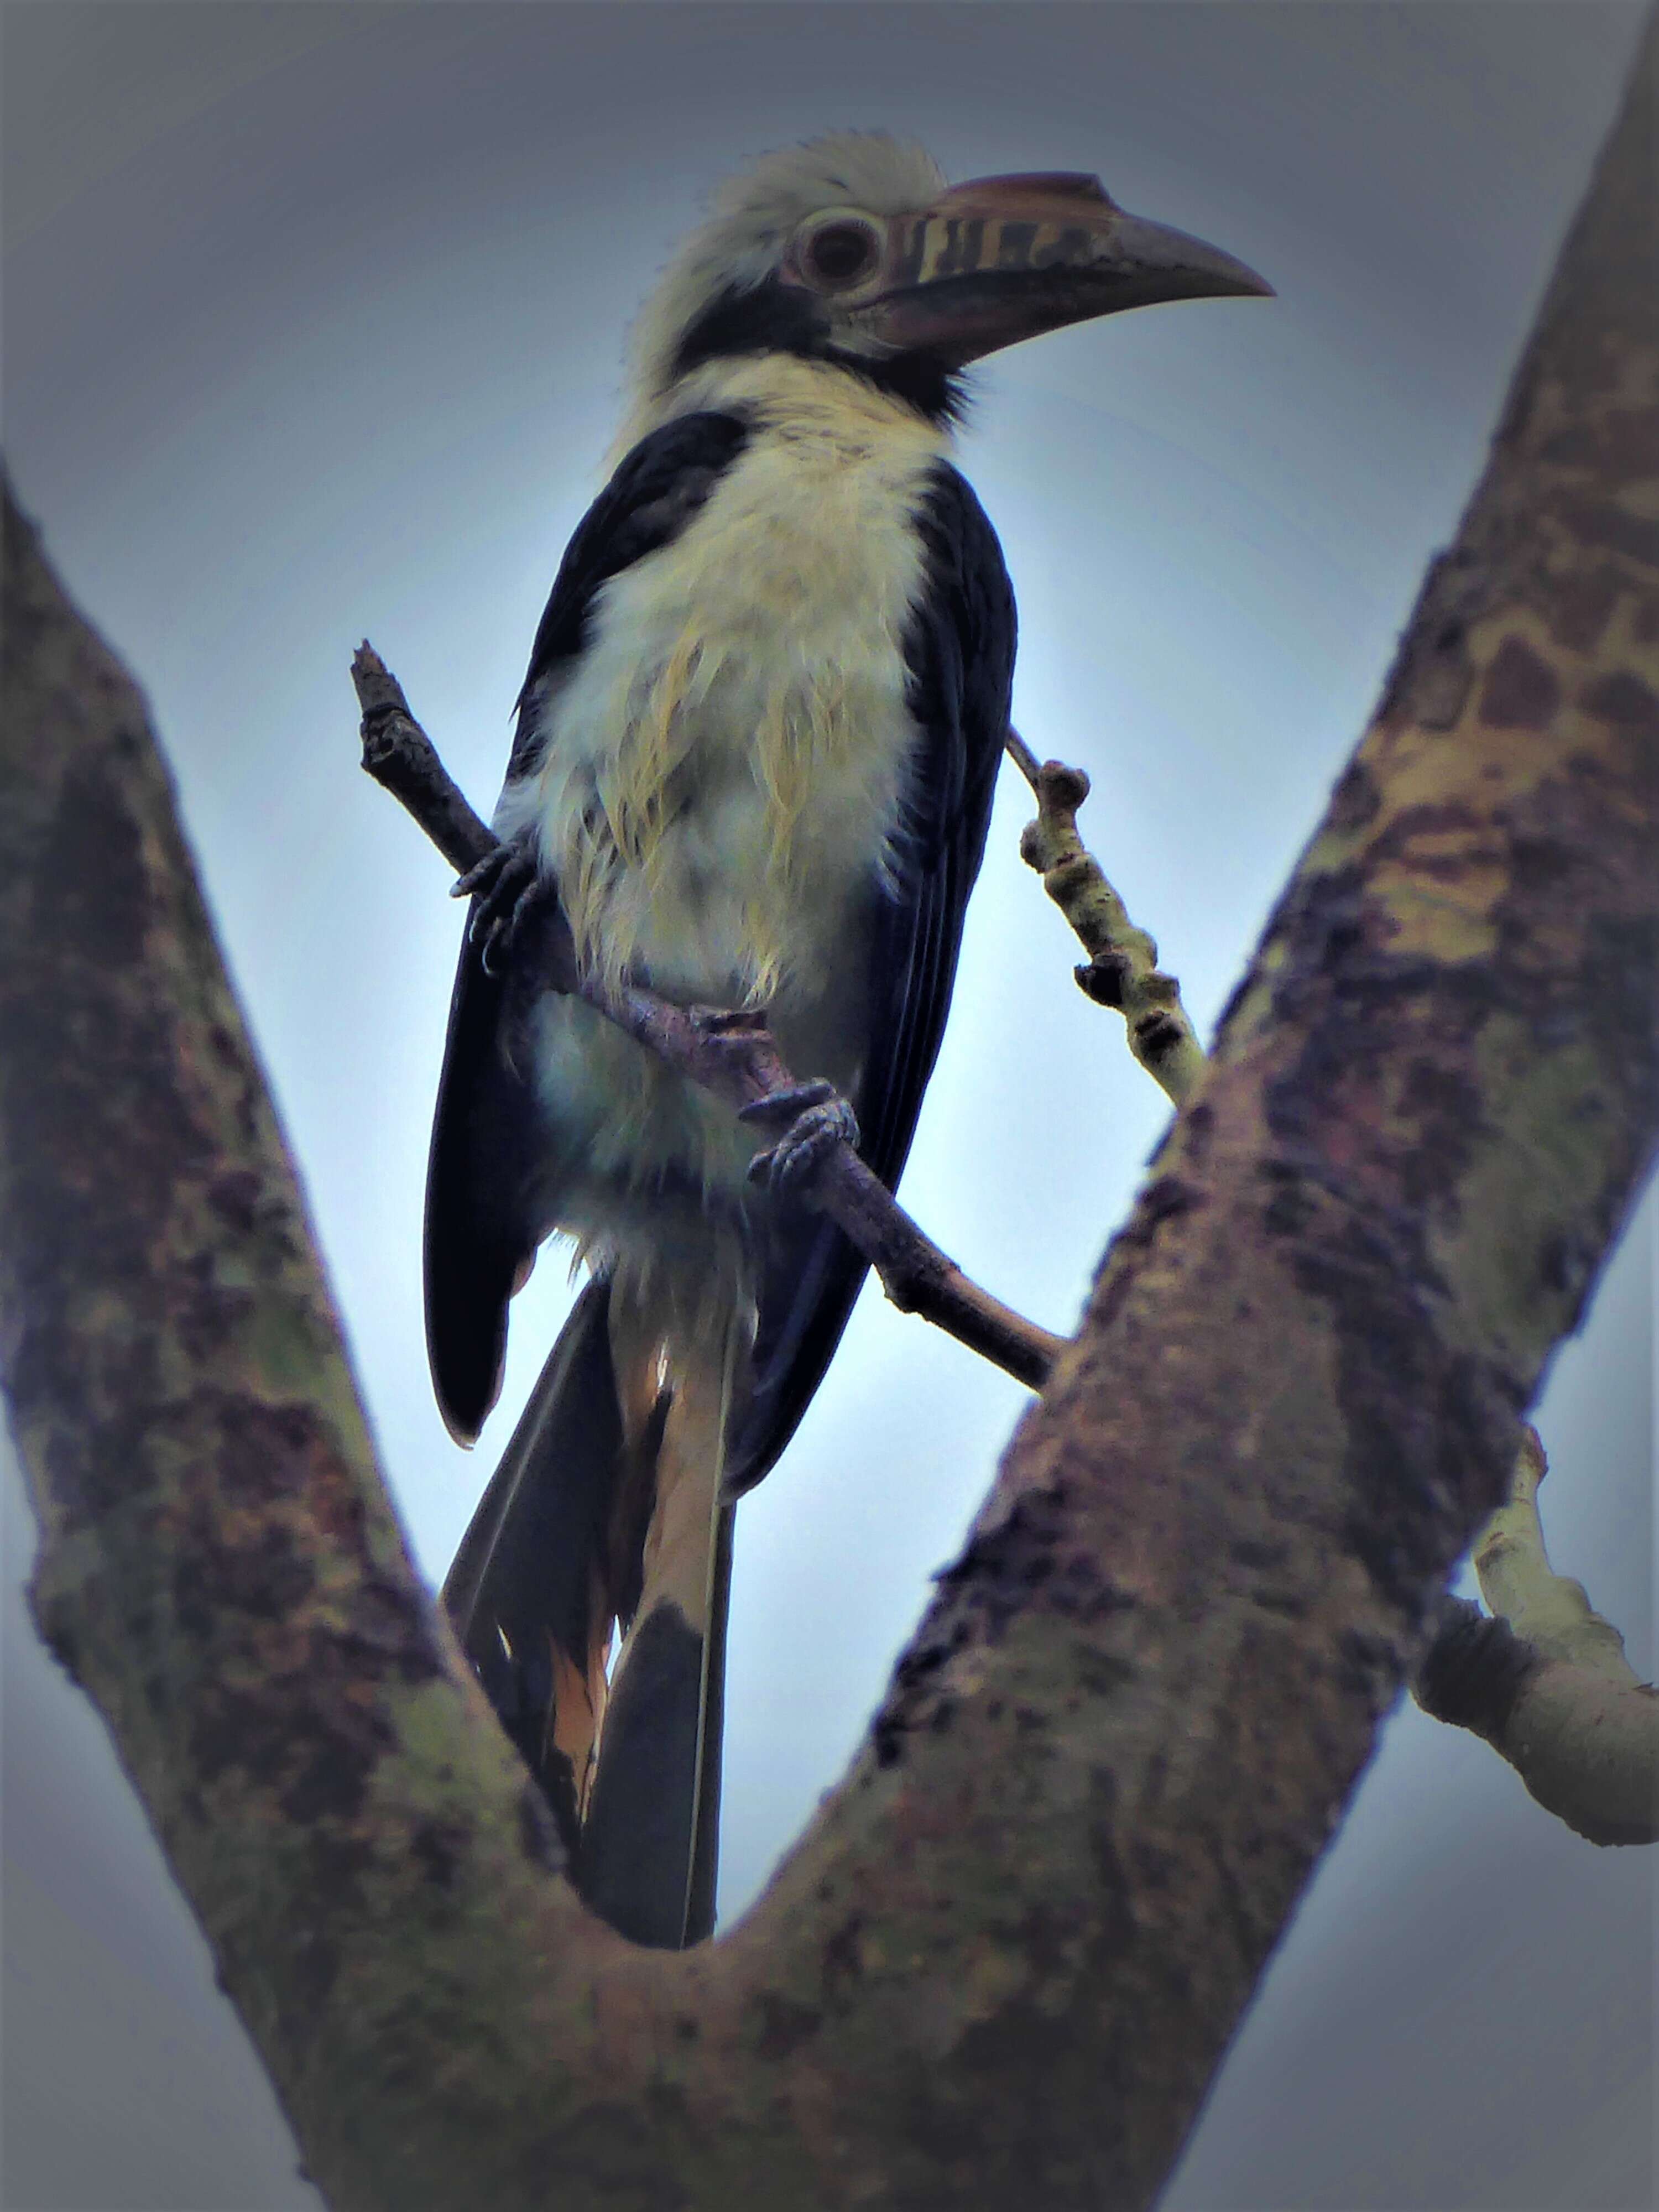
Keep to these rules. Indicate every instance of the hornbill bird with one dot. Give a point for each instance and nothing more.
(752, 765)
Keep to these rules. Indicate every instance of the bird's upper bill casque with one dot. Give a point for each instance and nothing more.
(998, 260)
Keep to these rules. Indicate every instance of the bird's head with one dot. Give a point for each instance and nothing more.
(854, 250)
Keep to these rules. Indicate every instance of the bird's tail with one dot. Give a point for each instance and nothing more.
(606, 1510)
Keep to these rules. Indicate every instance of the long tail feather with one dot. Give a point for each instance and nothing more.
(528, 1593)
(651, 1843)
(608, 1507)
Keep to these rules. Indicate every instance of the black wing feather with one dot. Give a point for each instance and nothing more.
(479, 1171)
(959, 650)
(483, 1223)
(657, 489)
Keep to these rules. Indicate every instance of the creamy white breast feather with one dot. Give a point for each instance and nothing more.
(753, 662)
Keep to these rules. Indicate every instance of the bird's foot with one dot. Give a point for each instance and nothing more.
(816, 1121)
(506, 886)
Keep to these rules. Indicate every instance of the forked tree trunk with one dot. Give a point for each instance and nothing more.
(1002, 1964)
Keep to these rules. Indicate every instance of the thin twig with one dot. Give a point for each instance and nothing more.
(398, 754)
(731, 1054)
(1121, 969)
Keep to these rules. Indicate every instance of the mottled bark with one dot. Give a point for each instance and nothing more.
(1002, 1963)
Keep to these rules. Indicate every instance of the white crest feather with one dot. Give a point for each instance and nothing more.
(753, 217)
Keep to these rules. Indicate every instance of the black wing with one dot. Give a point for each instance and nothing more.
(959, 650)
(488, 1141)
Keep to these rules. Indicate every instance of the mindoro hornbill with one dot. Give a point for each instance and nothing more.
(753, 765)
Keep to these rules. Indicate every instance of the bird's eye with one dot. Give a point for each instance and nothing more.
(841, 254)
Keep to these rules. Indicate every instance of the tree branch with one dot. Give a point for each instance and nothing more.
(731, 1054)
(1121, 969)
(1006, 1958)
(1545, 1680)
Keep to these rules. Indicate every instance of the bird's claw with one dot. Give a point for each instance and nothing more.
(504, 886)
(817, 1121)
(786, 1105)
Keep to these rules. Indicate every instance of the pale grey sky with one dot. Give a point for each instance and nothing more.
(312, 318)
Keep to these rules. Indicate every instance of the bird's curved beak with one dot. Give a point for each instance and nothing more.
(1003, 258)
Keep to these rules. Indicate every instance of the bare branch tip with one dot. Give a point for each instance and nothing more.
(1062, 787)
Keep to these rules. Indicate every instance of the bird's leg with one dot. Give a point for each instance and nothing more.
(813, 1119)
(507, 885)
